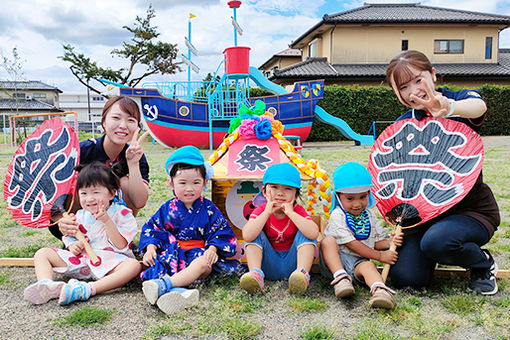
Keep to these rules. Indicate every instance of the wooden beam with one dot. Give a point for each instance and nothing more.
(16, 262)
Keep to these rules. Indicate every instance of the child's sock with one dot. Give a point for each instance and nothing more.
(339, 272)
(377, 283)
(258, 270)
(92, 286)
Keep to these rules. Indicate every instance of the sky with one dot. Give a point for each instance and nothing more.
(39, 28)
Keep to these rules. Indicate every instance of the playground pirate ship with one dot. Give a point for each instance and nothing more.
(198, 112)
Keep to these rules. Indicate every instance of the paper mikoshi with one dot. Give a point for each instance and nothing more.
(255, 142)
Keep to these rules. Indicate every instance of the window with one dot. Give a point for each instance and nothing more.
(18, 95)
(448, 46)
(405, 45)
(97, 99)
(39, 95)
(488, 48)
(312, 49)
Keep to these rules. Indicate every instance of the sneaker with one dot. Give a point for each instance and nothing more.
(381, 297)
(252, 282)
(483, 281)
(298, 282)
(74, 290)
(343, 285)
(177, 299)
(153, 289)
(43, 291)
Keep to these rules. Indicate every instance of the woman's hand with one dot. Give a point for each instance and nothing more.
(210, 255)
(76, 248)
(135, 151)
(68, 225)
(436, 104)
(150, 254)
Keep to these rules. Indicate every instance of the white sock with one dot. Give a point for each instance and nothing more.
(377, 283)
(339, 272)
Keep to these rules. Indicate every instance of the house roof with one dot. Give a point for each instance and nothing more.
(314, 68)
(24, 104)
(413, 13)
(27, 85)
(289, 53)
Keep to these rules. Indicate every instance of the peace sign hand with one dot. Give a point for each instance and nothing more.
(101, 214)
(135, 151)
(436, 104)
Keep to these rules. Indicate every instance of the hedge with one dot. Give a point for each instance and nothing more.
(360, 106)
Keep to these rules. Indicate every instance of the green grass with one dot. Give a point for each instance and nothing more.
(306, 304)
(29, 233)
(5, 279)
(27, 251)
(463, 304)
(318, 333)
(87, 316)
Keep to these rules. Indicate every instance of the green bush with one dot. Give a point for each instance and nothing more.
(360, 106)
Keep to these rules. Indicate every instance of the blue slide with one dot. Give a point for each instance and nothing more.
(320, 113)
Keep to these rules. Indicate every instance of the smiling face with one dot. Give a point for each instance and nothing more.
(416, 84)
(92, 197)
(187, 185)
(119, 126)
(354, 204)
(280, 193)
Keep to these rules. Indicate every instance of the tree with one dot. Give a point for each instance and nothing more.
(14, 69)
(157, 57)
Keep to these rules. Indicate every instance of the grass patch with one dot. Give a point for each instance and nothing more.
(27, 251)
(463, 304)
(29, 233)
(306, 304)
(237, 328)
(87, 316)
(318, 333)
(5, 279)
(369, 330)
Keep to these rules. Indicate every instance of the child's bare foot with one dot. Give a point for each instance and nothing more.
(343, 285)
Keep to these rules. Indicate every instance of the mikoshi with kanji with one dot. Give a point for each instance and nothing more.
(255, 141)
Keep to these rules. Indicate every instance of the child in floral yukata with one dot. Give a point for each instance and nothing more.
(187, 238)
(110, 229)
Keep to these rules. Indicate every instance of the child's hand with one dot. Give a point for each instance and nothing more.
(150, 254)
(270, 204)
(398, 240)
(211, 256)
(436, 104)
(76, 248)
(287, 208)
(101, 214)
(388, 256)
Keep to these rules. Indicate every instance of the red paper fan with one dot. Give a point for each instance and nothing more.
(41, 173)
(421, 169)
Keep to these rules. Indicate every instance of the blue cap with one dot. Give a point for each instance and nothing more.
(352, 178)
(284, 174)
(189, 155)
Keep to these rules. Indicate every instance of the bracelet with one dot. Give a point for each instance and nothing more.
(452, 108)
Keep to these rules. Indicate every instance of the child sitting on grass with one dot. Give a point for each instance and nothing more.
(187, 238)
(353, 236)
(280, 235)
(110, 228)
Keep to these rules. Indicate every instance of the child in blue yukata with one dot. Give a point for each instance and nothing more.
(187, 238)
(110, 229)
(353, 236)
(280, 235)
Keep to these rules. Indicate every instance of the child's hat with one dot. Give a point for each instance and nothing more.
(189, 155)
(352, 178)
(284, 174)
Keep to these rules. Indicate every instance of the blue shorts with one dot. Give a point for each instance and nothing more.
(349, 262)
(279, 264)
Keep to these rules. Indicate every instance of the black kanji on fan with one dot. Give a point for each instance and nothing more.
(42, 161)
